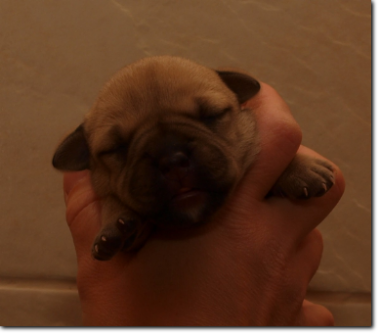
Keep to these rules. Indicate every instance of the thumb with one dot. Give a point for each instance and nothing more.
(82, 210)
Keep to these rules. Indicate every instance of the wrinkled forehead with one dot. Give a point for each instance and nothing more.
(146, 93)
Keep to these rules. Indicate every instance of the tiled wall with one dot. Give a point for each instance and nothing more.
(54, 57)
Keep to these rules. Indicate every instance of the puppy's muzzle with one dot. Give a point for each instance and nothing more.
(180, 178)
(177, 169)
(175, 166)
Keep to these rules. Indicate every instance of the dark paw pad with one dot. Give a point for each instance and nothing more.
(126, 227)
(106, 245)
(315, 180)
(114, 238)
(304, 178)
(322, 179)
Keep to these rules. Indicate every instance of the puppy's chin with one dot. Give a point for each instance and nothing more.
(189, 209)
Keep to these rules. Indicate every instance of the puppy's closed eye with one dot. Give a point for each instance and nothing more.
(119, 148)
(211, 117)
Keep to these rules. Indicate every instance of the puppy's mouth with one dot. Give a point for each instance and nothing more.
(188, 207)
(188, 197)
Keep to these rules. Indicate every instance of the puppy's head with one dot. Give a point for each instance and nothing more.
(167, 137)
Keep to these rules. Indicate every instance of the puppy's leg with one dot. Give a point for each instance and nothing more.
(122, 230)
(305, 177)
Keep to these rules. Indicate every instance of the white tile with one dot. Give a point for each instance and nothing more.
(39, 304)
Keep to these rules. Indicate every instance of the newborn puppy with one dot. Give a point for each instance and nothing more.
(166, 142)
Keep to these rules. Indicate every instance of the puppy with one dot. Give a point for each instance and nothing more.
(166, 143)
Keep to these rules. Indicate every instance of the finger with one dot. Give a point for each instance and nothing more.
(313, 315)
(279, 139)
(83, 215)
(84, 227)
(305, 215)
(78, 193)
(82, 210)
(70, 179)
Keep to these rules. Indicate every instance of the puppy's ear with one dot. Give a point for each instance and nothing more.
(243, 85)
(73, 153)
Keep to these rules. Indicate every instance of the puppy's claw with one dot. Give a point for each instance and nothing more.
(99, 255)
(126, 227)
(305, 192)
(107, 244)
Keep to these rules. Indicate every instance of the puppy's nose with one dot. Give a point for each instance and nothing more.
(174, 165)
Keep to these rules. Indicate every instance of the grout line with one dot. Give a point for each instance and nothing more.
(37, 284)
(69, 285)
(339, 297)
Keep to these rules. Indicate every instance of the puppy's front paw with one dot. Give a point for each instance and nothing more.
(305, 177)
(113, 238)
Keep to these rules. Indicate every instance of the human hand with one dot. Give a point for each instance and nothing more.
(249, 266)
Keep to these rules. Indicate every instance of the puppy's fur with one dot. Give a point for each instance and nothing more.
(166, 142)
